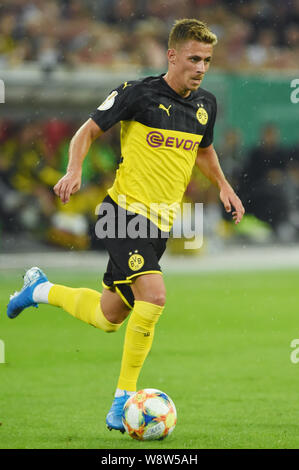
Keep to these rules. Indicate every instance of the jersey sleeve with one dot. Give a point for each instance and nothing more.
(118, 106)
(209, 133)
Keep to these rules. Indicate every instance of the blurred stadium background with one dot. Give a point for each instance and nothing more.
(59, 59)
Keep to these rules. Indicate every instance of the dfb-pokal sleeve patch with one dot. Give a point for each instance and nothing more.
(118, 106)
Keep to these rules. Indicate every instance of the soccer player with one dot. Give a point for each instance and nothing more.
(167, 126)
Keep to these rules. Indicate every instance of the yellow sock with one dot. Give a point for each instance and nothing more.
(82, 303)
(138, 341)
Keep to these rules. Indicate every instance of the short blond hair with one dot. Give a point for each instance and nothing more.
(186, 29)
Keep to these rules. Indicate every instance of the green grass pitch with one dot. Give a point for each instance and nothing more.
(221, 351)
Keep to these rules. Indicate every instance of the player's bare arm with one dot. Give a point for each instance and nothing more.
(70, 183)
(208, 163)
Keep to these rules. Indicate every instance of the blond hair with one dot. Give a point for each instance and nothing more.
(186, 29)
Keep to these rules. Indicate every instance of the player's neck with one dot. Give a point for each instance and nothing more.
(172, 82)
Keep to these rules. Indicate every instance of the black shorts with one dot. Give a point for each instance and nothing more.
(129, 256)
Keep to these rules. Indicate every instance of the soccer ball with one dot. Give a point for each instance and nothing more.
(149, 414)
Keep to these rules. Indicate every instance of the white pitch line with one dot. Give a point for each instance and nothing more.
(233, 259)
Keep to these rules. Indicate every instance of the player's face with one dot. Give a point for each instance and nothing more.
(190, 61)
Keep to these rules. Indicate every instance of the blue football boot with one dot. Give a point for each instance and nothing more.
(114, 417)
(23, 299)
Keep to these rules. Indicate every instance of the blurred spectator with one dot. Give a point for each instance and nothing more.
(292, 186)
(149, 50)
(48, 54)
(56, 131)
(263, 50)
(123, 14)
(231, 155)
(263, 187)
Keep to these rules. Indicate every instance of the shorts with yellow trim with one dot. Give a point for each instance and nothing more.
(129, 257)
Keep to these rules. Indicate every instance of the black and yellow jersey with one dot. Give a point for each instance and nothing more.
(160, 136)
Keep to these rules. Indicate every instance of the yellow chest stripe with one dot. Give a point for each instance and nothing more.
(157, 165)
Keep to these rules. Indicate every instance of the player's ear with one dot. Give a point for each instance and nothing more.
(171, 54)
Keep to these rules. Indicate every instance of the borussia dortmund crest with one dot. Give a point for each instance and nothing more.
(202, 115)
(136, 261)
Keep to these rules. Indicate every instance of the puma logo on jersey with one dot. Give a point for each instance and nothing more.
(161, 106)
(126, 84)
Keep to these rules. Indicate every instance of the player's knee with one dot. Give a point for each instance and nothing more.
(160, 299)
(150, 288)
(155, 297)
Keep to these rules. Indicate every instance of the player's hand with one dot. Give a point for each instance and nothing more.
(230, 200)
(67, 185)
